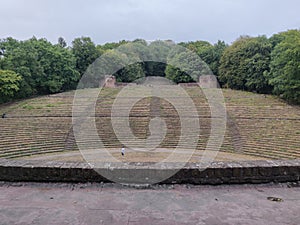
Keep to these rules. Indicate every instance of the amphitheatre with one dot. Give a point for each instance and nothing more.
(259, 128)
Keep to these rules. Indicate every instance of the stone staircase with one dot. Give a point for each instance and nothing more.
(257, 125)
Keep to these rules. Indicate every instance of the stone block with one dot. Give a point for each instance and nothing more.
(208, 81)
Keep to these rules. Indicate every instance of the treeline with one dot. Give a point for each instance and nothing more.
(257, 64)
(264, 65)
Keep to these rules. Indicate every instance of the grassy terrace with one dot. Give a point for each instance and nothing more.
(258, 126)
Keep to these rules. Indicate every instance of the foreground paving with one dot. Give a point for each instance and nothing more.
(31, 203)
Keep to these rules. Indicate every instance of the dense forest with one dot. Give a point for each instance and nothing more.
(258, 64)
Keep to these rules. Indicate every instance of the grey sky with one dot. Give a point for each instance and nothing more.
(178, 20)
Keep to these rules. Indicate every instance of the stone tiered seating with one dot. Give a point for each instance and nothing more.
(257, 125)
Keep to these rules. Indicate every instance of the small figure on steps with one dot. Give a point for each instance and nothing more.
(123, 150)
(3, 115)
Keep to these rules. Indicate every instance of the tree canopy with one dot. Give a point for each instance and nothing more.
(210, 54)
(258, 64)
(44, 67)
(244, 63)
(85, 52)
(9, 84)
(284, 72)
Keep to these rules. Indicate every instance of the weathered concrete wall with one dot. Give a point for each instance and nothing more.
(217, 173)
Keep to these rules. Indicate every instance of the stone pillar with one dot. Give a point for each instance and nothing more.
(110, 81)
(208, 81)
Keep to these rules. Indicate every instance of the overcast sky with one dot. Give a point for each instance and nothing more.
(178, 20)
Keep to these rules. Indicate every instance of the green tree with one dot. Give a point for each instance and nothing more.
(110, 63)
(214, 56)
(158, 50)
(284, 74)
(152, 68)
(44, 68)
(178, 76)
(133, 54)
(244, 63)
(22, 57)
(61, 42)
(199, 47)
(59, 69)
(185, 66)
(210, 54)
(111, 45)
(9, 84)
(85, 52)
(139, 49)
(130, 73)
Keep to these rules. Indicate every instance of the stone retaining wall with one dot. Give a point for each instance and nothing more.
(216, 173)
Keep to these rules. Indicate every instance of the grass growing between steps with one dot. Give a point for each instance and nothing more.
(260, 126)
